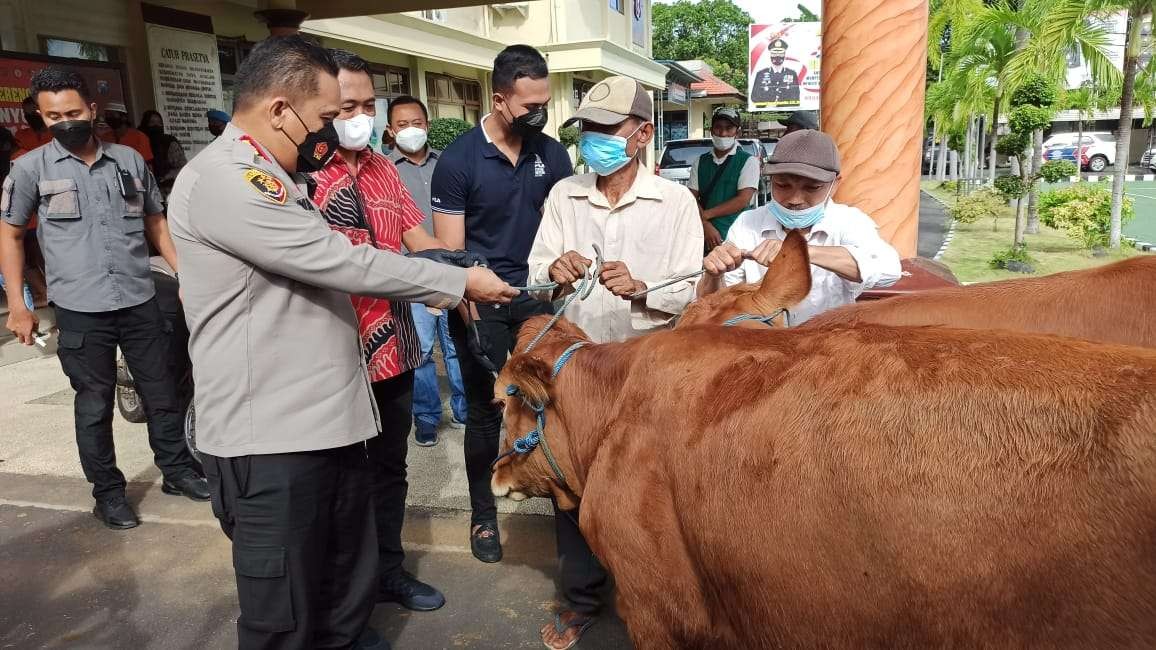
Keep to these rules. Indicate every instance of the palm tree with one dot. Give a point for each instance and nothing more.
(1046, 31)
(1137, 12)
(982, 50)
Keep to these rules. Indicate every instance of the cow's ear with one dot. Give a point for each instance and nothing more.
(788, 279)
(530, 376)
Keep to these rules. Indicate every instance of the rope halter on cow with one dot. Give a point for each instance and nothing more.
(769, 321)
(537, 436)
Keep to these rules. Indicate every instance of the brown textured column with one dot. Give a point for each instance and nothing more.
(874, 62)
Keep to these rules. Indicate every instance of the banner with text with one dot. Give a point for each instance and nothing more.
(187, 82)
(104, 82)
(784, 66)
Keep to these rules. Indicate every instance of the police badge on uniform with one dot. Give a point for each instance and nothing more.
(266, 185)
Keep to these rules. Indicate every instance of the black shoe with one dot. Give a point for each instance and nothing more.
(410, 593)
(486, 543)
(371, 640)
(116, 513)
(193, 487)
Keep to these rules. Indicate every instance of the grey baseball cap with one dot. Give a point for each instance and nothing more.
(612, 100)
(726, 113)
(808, 153)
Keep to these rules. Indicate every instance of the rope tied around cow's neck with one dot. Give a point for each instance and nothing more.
(537, 436)
(769, 321)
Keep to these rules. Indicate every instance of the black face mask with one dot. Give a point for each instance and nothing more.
(529, 123)
(317, 148)
(777, 61)
(34, 120)
(114, 121)
(72, 134)
(155, 131)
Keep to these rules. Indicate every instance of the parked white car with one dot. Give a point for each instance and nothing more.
(1096, 151)
(1148, 160)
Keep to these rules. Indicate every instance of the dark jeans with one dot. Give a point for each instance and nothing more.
(387, 453)
(304, 545)
(582, 577)
(499, 330)
(87, 353)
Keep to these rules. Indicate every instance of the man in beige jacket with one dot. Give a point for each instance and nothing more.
(283, 400)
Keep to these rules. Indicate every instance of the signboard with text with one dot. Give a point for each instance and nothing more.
(784, 67)
(105, 81)
(186, 74)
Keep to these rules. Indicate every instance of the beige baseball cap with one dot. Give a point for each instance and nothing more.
(807, 153)
(612, 100)
(116, 106)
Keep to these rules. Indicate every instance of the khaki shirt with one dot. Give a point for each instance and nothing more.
(273, 336)
(654, 229)
(93, 238)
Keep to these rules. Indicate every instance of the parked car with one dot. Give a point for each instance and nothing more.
(678, 155)
(1148, 160)
(1096, 151)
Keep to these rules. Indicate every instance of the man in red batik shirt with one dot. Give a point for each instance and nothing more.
(362, 196)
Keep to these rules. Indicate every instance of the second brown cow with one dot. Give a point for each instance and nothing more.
(852, 487)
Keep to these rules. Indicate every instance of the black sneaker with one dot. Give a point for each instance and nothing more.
(486, 543)
(410, 593)
(115, 513)
(426, 435)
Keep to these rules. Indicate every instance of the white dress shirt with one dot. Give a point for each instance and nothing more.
(654, 229)
(841, 225)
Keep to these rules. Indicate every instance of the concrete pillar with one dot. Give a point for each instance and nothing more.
(874, 63)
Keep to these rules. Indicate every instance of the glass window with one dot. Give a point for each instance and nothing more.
(453, 97)
(617, 5)
(581, 87)
(78, 49)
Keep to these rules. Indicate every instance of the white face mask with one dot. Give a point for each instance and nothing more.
(354, 133)
(411, 139)
(722, 144)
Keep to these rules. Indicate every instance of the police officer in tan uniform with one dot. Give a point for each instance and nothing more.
(283, 399)
(778, 84)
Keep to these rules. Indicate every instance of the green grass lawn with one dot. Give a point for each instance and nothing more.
(974, 244)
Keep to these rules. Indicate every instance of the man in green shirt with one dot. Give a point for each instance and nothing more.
(725, 179)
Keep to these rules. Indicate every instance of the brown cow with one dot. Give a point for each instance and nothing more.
(1114, 303)
(849, 488)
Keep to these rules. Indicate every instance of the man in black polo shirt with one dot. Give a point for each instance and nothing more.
(487, 195)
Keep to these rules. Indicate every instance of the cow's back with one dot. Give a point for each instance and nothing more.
(1114, 303)
(895, 487)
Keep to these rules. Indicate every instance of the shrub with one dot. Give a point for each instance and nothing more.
(1012, 144)
(980, 204)
(1055, 171)
(444, 130)
(1027, 119)
(949, 186)
(1010, 187)
(1083, 211)
(1016, 256)
(1036, 91)
(568, 136)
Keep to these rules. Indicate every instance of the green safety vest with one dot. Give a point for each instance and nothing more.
(725, 188)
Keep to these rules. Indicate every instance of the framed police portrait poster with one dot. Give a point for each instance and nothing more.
(784, 67)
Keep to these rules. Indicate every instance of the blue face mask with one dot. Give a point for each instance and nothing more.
(604, 153)
(799, 219)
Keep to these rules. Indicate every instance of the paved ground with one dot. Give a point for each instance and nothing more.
(67, 582)
(933, 225)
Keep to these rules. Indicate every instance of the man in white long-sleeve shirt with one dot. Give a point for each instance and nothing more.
(649, 231)
(847, 254)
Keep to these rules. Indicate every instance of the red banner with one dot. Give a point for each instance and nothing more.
(105, 82)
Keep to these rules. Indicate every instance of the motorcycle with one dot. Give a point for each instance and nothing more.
(128, 400)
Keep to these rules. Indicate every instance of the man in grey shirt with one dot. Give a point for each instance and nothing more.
(98, 208)
(283, 399)
(415, 161)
